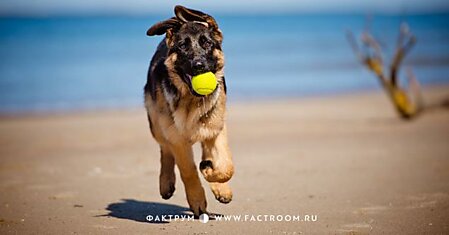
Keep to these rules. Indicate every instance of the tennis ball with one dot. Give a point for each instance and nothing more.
(205, 83)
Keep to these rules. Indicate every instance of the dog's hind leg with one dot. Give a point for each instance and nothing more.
(194, 191)
(221, 191)
(216, 165)
(167, 176)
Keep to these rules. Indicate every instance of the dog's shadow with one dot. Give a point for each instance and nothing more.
(139, 210)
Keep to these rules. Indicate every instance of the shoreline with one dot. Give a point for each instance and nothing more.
(231, 101)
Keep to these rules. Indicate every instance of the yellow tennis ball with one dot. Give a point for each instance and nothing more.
(205, 83)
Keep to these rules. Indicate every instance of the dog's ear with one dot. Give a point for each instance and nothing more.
(185, 14)
(164, 26)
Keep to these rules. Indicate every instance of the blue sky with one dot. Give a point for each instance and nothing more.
(139, 7)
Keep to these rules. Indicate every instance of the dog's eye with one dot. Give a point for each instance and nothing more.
(207, 44)
(183, 46)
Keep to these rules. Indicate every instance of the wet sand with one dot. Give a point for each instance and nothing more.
(347, 159)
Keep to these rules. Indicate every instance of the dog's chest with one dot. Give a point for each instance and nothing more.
(196, 121)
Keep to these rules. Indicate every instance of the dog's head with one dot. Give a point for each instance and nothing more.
(194, 45)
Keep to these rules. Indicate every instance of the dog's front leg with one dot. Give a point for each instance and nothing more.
(194, 191)
(167, 176)
(216, 165)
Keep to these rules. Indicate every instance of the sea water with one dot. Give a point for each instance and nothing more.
(71, 63)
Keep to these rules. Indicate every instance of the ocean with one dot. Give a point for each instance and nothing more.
(79, 63)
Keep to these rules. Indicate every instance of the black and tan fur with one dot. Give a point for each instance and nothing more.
(179, 117)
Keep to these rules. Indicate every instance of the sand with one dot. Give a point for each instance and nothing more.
(348, 159)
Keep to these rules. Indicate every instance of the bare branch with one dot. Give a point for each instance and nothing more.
(401, 51)
(415, 90)
(371, 43)
(354, 45)
(370, 54)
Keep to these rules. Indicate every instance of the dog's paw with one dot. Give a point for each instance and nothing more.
(167, 187)
(222, 192)
(198, 206)
(167, 191)
(206, 164)
(215, 174)
(197, 213)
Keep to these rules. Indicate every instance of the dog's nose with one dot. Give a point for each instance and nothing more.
(198, 66)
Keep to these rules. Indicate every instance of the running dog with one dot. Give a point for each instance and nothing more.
(179, 117)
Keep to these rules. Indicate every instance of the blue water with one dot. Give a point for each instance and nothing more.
(101, 62)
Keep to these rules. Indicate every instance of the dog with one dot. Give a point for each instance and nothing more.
(179, 117)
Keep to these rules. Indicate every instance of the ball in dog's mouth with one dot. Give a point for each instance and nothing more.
(202, 84)
(205, 83)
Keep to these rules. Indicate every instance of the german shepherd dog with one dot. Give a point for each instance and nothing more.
(179, 117)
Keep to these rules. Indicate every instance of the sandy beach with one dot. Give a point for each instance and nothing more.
(348, 159)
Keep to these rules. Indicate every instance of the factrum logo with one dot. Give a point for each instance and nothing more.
(204, 218)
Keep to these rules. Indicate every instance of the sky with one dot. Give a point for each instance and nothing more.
(141, 7)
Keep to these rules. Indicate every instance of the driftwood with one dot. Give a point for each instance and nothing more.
(408, 102)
